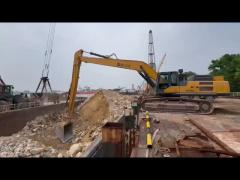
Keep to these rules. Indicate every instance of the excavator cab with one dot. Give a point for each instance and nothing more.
(170, 78)
(165, 80)
(6, 93)
(7, 89)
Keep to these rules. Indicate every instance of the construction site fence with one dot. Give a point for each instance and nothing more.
(24, 105)
(235, 94)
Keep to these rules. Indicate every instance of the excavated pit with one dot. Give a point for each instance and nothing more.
(38, 138)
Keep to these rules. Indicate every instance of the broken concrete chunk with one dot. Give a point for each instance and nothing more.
(74, 149)
(60, 155)
(79, 154)
(36, 151)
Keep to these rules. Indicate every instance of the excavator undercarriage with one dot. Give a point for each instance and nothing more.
(176, 104)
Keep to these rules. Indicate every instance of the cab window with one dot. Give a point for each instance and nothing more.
(174, 78)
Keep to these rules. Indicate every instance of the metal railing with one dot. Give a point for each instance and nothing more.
(24, 105)
(235, 94)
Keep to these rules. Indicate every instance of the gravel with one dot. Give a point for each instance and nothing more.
(37, 138)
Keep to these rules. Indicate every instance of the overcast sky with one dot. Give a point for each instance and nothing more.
(190, 46)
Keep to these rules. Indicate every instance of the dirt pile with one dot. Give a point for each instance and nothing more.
(38, 139)
(117, 103)
(105, 106)
(94, 110)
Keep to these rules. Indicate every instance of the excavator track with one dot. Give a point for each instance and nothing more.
(176, 104)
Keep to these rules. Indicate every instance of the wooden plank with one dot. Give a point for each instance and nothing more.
(210, 123)
(212, 135)
(231, 139)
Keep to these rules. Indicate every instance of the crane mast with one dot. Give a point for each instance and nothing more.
(151, 53)
(44, 80)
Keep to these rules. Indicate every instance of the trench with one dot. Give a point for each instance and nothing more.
(13, 121)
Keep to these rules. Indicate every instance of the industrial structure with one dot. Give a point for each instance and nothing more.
(44, 83)
(151, 52)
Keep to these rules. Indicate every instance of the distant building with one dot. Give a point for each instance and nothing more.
(2, 83)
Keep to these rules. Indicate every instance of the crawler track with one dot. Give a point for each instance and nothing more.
(176, 104)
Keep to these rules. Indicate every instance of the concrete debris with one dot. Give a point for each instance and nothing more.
(60, 155)
(78, 154)
(74, 149)
(22, 147)
(38, 139)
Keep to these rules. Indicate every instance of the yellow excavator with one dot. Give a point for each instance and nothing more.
(172, 91)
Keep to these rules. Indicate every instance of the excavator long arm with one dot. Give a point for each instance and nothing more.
(145, 70)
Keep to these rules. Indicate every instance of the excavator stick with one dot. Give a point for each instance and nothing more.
(65, 131)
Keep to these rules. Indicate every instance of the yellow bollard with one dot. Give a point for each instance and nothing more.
(149, 135)
(149, 140)
(147, 113)
(148, 124)
(147, 117)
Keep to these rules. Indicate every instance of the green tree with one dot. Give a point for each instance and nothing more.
(189, 73)
(228, 66)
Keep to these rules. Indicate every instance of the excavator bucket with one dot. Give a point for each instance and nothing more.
(65, 131)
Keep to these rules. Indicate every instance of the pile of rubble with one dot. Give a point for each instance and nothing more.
(117, 103)
(105, 106)
(38, 139)
(16, 146)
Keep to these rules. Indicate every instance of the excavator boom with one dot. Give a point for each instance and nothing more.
(126, 64)
(146, 71)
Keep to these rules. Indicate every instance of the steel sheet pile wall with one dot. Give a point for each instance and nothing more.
(14, 121)
(112, 143)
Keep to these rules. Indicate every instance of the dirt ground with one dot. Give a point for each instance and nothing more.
(174, 126)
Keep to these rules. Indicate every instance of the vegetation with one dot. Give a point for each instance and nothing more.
(189, 74)
(228, 66)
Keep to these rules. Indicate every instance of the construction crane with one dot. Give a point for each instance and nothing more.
(151, 59)
(44, 80)
(151, 52)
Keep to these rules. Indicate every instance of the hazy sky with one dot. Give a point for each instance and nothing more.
(190, 46)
